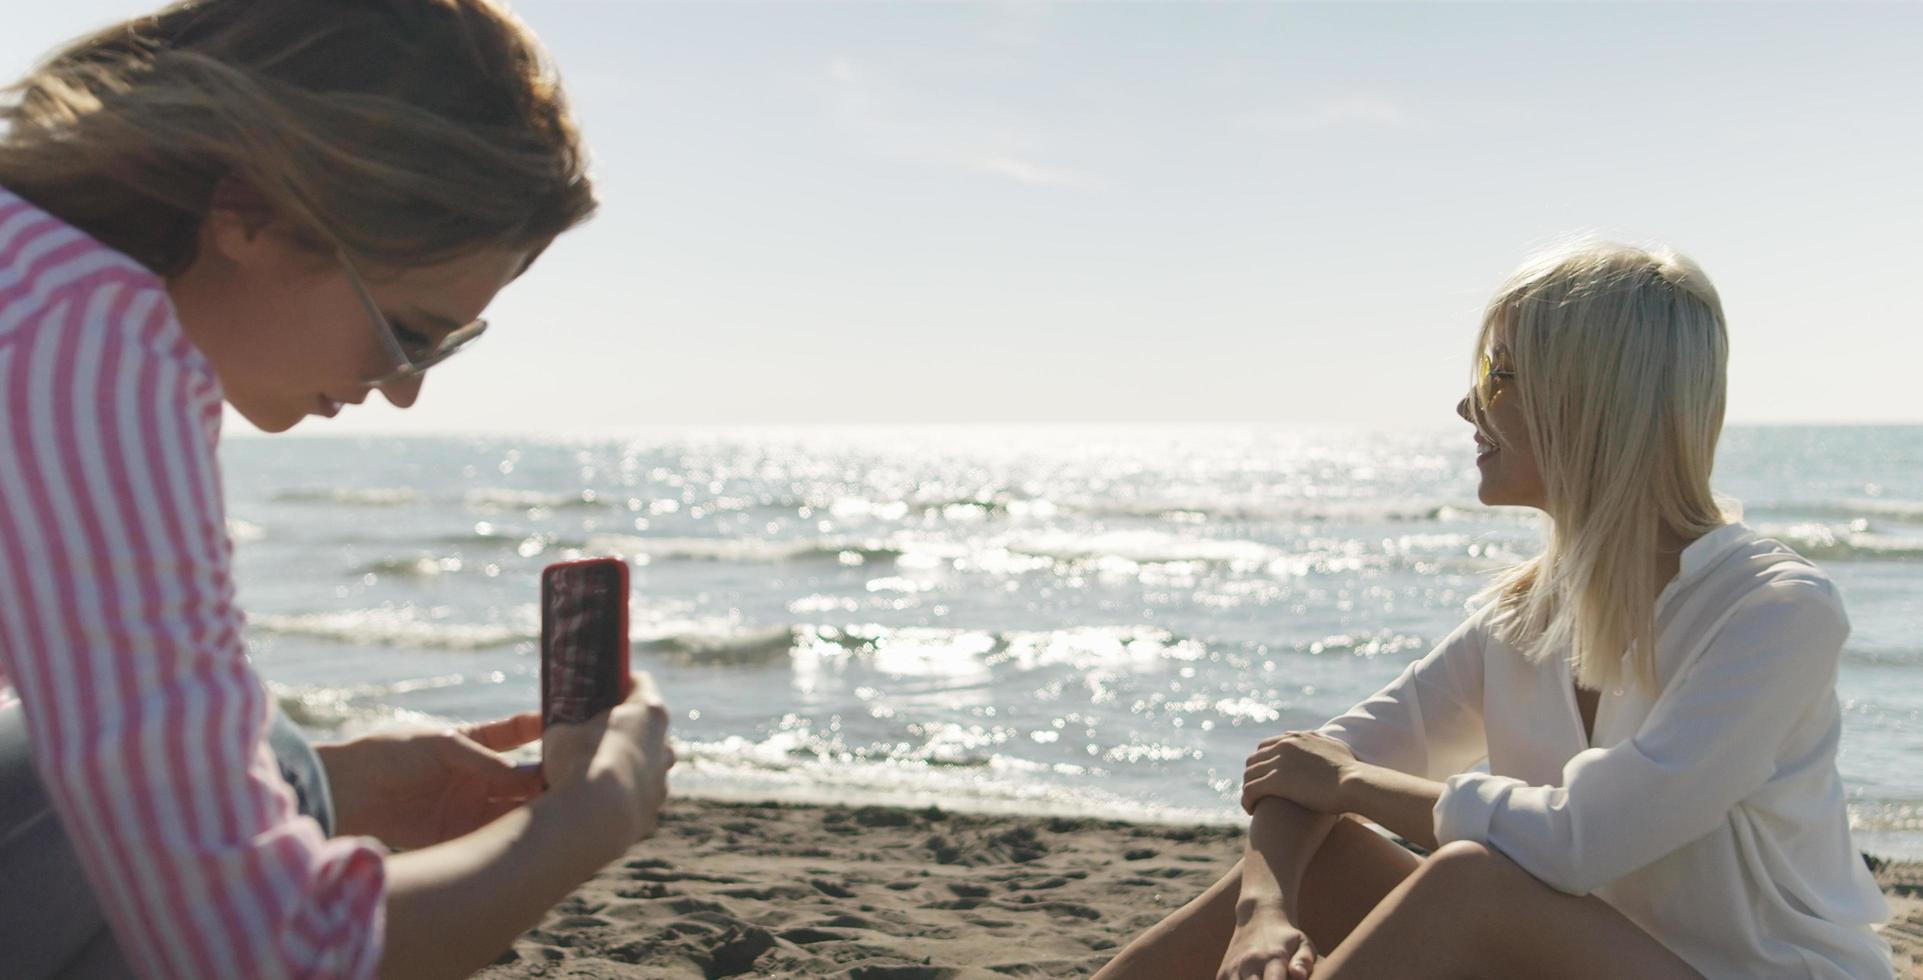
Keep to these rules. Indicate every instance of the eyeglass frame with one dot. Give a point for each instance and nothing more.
(406, 366)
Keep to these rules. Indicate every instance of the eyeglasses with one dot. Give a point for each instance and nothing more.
(1489, 380)
(407, 364)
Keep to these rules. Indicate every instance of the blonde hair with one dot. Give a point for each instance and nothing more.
(403, 131)
(1620, 354)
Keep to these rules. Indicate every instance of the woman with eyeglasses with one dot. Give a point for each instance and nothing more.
(282, 205)
(1654, 693)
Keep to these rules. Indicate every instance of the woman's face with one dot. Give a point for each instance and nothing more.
(287, 333)
(1503, 456)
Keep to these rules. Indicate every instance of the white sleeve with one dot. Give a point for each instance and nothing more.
(1428, 721)
(1711, 740)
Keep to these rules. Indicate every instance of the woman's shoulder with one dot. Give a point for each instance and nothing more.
(48, 266)
(1766, 593)
(1478, 632)
(1761, 568)
(57, 281)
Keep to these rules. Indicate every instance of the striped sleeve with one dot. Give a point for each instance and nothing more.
(119, 631)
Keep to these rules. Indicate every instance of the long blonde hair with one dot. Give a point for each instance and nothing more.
(1620, 354)
(404, 131)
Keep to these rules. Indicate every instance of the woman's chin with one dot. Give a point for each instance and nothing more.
(1497, 496)
(1492, 494)
(268, 419)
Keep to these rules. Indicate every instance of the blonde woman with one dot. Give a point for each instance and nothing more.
(283, 205)
(1654, 693)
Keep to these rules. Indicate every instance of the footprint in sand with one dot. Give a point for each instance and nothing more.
(531, 952)
(655, 869)
(831, 889)
(770, 893)
(906, 973)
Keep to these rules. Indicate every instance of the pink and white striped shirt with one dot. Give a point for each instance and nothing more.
(120, 638)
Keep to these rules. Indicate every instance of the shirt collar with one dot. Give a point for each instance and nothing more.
(1704, 552)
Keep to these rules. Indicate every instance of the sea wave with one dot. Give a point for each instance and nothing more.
(1883, 656)
(1143, 547)
(1887, 815)
(482, 499)
(499, 498)
(1829, 542)
(721, 646)
(804, 767)
(402, 626)
(486, 536)
(1318, 511)
(359, 709)
(423, 567)
(1846, 509)
(349, 496)
(941, 651)
(747, 550)
(245, 532)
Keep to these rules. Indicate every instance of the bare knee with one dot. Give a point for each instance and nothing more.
(1468, 886)
(1460, 857)
(1467, 863)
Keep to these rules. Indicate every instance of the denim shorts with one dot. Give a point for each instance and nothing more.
(50, 925)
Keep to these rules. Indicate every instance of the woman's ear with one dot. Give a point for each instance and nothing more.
(237, 223)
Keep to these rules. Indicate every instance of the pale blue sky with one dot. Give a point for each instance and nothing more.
(1100, 212)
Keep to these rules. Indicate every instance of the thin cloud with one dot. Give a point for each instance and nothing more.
(843, 71)
(1340, 112)
(890, 120)
(1023, 171)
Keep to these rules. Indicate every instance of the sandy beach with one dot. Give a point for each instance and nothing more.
(876, 893)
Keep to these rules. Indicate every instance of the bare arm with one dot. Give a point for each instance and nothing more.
(1403, 803)
(1283, 836)
(453, 907)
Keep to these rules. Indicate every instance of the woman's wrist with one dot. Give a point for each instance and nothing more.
(1352, 787)
(1253, 900)
(603, 807)
(341, 764)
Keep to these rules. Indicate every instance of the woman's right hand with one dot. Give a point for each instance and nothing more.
(1266, 946)
(627, 745)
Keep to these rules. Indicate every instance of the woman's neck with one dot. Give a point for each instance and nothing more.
(1669, 555)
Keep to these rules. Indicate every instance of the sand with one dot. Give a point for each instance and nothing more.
(874, 893)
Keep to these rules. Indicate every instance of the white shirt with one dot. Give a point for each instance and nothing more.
(1711, 814)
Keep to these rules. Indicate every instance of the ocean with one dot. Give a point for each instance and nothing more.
(1092, 620)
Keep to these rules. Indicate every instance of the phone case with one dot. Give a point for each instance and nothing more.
(584, 638)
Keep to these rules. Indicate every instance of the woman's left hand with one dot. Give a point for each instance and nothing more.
(1305, 767)
(414, 789)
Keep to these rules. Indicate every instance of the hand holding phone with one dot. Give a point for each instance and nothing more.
(584, 639)
(585, 679)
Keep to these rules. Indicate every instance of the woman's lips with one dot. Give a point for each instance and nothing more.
(326, 407)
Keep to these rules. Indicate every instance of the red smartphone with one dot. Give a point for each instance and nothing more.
(584, 639)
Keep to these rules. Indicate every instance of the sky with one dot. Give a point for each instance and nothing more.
(1176, 212)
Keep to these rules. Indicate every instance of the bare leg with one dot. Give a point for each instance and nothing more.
(1468, 911)
(1349, 874)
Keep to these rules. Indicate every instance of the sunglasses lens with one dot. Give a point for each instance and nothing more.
(450, 346)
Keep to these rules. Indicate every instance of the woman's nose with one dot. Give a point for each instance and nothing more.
(1462, 409)
(403, 391)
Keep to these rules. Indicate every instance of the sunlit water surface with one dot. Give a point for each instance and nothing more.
(1088, 620)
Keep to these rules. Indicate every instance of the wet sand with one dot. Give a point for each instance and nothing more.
(876, 893)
